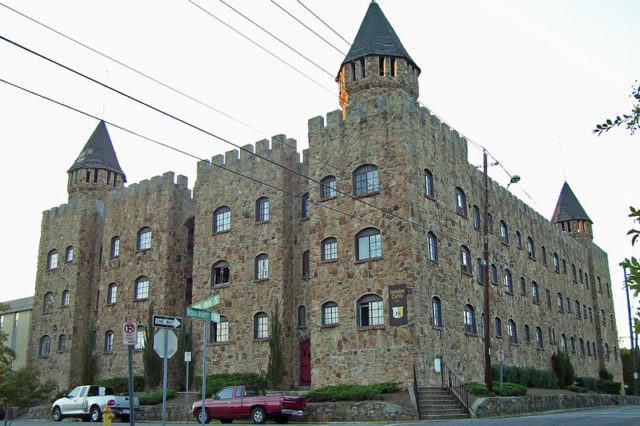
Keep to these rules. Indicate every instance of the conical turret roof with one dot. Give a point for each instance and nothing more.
(568, 207)
(98, 152)
(376, 37)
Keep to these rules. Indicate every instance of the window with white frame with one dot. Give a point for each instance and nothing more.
(140, 337)
(370, 311)
(262, 209)
(144, 238)
(470, 320)
(498, 326)
(115, 247)
(368, 244)
(52, 259)
(436, 310)
(329, 249)
(428, 184)
(219, 331)
(504, 232)
(534, 292)
(48, 303)
(508, 281)
(222, 219)
(220, 273)
(45, 346)
(112, 293)
(477, 222)
(141, 288)
(330, 313)
(260, 326)
(68, 254)
(62, 343)
(465, 260)
(539, 337)
(328, 187)
(461, 202)
(305, 205)
(261, 267)
(365, 180)
(531, 248)
(518, 240)
(65, 298)
(108, 341)
(512, 331)
(432, 241)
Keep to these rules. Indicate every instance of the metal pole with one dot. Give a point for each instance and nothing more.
(634, 353)
(204, 368)
(132, 417)
(187, 385)
(485, 272)
(164, 377)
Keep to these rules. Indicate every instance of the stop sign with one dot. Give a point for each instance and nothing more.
(159, 341)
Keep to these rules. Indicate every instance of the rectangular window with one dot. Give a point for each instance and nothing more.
(371, 313)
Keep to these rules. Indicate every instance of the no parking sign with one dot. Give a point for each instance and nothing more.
(129, 333)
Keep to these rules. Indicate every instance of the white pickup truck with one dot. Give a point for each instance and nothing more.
(88, 402)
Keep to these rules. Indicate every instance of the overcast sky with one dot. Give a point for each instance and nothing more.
(528, 80)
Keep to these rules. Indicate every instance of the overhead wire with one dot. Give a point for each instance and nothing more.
(325, 24)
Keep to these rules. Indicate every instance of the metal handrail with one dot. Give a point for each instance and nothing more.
(415, 382)
(451, 381)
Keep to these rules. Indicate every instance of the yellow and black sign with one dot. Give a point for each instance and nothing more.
(398, 304)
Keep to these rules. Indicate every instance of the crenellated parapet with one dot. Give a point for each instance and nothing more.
(166, 183)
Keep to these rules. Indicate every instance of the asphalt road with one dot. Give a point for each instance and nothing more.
(608, 416)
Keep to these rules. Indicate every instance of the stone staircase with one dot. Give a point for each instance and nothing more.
(437, 403)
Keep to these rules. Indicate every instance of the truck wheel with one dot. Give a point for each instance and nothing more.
(282, 419)
(207, 416)
(56, 414)
(95, 415)
(258, 415)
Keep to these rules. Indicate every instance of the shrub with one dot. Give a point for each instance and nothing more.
(578, 389)
(564, 369)
(155, 397)
(529, 377)
(351, 392)
(479, 389)
(215, 382)
(605, 374)
(588, 383)
(510, 389)
(120, 385)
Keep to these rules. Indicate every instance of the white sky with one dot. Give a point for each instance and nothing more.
(526, 79)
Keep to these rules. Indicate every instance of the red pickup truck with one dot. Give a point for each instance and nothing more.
(235, 402)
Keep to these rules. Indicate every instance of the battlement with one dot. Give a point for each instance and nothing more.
(72, 208)
(280, 149)
(152, 185)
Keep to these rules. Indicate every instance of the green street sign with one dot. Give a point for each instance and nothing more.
(207, 303)
(202, 314)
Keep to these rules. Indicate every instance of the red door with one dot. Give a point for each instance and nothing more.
(305, 363)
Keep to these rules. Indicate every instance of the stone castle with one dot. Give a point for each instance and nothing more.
(369, 250)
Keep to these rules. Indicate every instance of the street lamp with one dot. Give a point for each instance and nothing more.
(485, 267)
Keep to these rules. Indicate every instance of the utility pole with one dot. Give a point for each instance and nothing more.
(485, 272)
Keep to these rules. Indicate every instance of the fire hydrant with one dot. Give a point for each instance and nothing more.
(107, 416)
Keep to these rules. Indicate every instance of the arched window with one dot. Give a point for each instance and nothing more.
(581, 347)
(365, 180)
(45, 346)
(530, 248)
(260, 326)
(539, 340)
(144, 238)
(52, 259)
(518, 240)
(112, 293)
(469, 320)
(564, 266)
(556, 264)
(588, 348)
(48, 302)
(328, 187)
(512, 331)
(432, 241)
(222, 219)
(560, 303)
(261, 267)
(305, 205)
(370, 311)
(578, 310)
(140, 337)
(477, 222)
(494, 274)
(262, 209)
(563, 342)
(220, 273)
(599, 284)
(590, 315)
(504, 232)
(480, 269)
(465, 260)
(62, 343)
(329, 249)
(498, 326)
(219, 331)
(115, 247)
(368, 244)
(604, 318)
(534, 292)
(436, 309)
(508, 281)
(306, 264)
(68, 254)
(108, 341)
(523, 286)
(329, 313)
(141, 288)
(65, 298)
(574, 275)
(429, 190)
(527, 334)
(544, 255)
(302, 316)
(461, 202)
(573, 345)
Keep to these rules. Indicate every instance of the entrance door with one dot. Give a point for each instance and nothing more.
(305, 363)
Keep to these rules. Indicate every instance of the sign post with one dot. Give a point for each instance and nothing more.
(130, 338)
(165, 343)
(187, 359)
(501, 360)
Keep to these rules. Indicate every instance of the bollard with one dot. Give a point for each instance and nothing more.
(107, 416)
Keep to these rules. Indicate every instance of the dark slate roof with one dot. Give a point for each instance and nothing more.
(376, 37)
(568, 207)
(98, 152)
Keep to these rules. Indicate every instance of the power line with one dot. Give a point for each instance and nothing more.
(326, 25)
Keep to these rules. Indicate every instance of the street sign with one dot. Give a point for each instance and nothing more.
(501, 355)
(159, 343)
(207, 303)
(203, 314)
(165, 321)
(129, 333)
(187, 358)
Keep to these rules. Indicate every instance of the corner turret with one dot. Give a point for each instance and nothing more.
(570, 216)
(377, 63)
(96, 171)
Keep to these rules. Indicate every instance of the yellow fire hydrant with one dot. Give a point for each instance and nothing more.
(107, 416)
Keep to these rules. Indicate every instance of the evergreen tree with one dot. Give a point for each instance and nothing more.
(152, 362)
(87, 367)
(564, 369)
(275, 368)
(185, 344)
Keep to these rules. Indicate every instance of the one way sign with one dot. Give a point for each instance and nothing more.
(166, 321)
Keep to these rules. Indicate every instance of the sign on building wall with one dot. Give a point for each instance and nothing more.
(398, 304)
